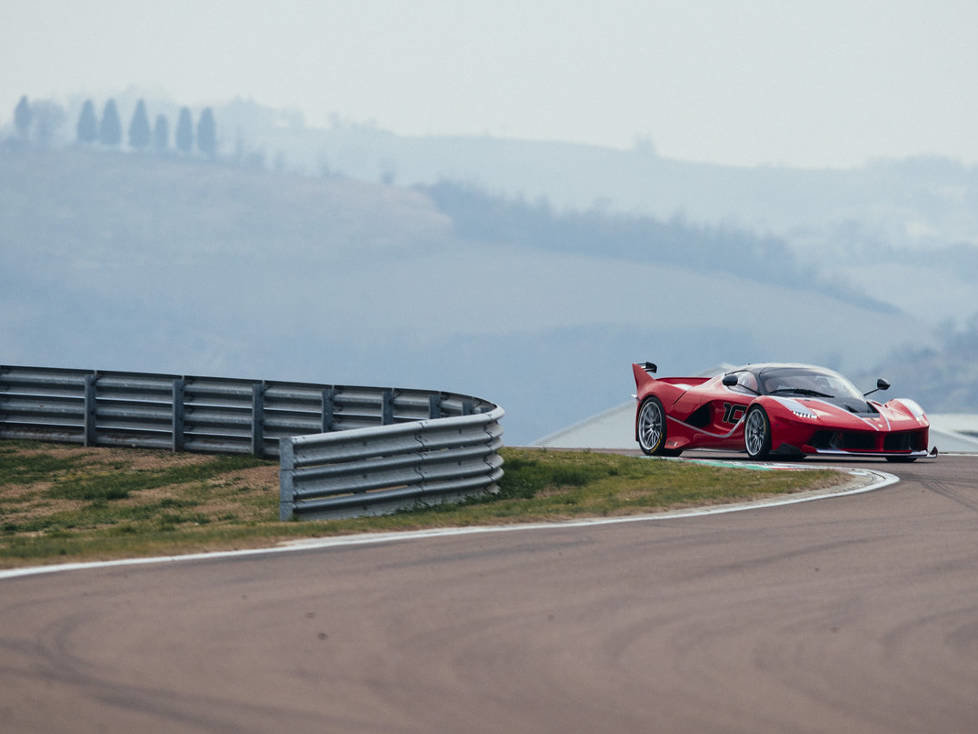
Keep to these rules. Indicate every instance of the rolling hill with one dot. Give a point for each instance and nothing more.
(118, 261)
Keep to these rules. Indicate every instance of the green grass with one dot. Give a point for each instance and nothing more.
(116, 484)
(15, 468)
(542, 485)
(62, 503)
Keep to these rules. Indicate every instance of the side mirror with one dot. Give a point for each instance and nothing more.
(881, 384)
(730, 380)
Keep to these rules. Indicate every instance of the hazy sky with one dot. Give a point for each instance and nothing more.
(820, 82)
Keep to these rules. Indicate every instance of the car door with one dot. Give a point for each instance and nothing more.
(715, 412)
(730, 407)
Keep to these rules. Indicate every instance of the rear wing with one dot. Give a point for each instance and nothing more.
(643, 372)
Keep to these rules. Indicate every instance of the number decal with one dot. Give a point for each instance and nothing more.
(733, 413)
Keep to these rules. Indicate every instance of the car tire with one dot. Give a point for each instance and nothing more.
(757, 433)
(651, 428)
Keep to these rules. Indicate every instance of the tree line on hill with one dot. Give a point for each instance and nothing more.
(39, 122)
(477, 214)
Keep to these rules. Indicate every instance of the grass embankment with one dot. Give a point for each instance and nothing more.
(66, 503)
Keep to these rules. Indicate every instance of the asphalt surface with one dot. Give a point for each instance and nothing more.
(849, 614)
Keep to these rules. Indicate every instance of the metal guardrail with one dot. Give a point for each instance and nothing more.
(379, 470)
(353, 426)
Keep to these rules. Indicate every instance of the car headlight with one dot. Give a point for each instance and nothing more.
(912, 405)
(800, 410)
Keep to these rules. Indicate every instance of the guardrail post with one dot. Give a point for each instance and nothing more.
(434, 406)
(178, 389)
(467, 407)
(258, 418)
(329, 402)
(387, 407)
(286, 485)
(90, 438)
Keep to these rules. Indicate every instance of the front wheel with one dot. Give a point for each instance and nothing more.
(757, 433)
(652, 429)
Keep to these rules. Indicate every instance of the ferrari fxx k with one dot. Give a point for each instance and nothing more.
(769, 410)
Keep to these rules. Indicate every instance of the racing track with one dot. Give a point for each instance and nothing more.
(850, 614)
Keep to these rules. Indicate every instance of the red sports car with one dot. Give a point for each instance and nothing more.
(768, 410)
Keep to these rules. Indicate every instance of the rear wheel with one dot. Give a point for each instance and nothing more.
(652, 428)
(757, 433)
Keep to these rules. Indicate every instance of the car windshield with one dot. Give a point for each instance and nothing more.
(806, 382)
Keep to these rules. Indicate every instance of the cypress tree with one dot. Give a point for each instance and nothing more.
(185, 131)
(161, 134)
(110, 130)
(87, 124)
(139, 127)
(22, 117)
(207, 133)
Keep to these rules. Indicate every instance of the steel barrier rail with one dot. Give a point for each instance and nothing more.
(217, 415)
(380, 470)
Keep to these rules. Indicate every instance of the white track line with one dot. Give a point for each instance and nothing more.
(878, 480)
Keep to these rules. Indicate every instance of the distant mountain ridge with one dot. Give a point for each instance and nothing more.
(911, 202)
(901, 232)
